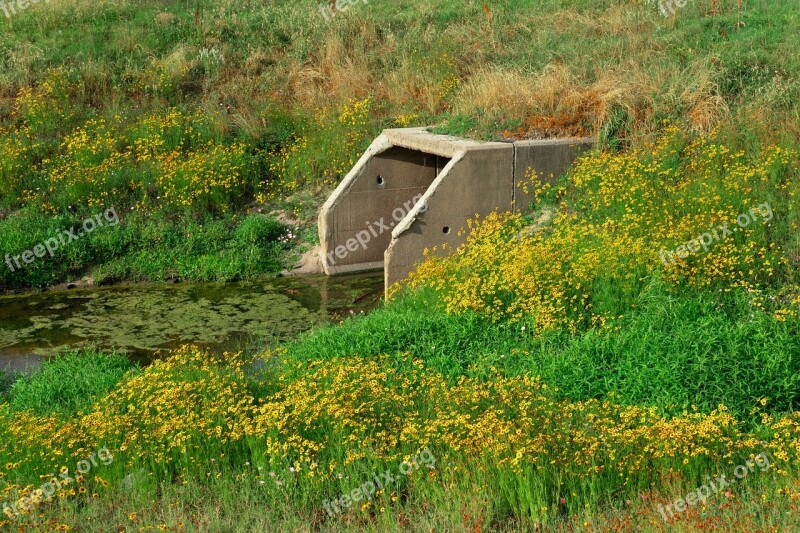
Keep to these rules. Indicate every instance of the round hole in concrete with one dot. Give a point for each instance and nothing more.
(380, 181)
(446, 230)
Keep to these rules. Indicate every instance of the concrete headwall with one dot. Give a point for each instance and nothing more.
(356, 222)
(548, 158)
(414, 190)
(478, 182)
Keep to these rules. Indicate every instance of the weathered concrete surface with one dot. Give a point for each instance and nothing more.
(355, 223)
(414, 190)
(422, 140)
(479, 181)
(549, 158)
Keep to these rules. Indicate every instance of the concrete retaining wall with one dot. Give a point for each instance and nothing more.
(414, 190)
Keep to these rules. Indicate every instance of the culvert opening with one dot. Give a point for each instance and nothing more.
(384, 190)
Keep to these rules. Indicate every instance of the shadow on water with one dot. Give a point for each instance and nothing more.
(140, 320)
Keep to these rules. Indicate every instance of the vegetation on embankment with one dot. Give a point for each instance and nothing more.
(503, 452)
(185, 116)
(559, 370)
(69, 383)
(551, 391)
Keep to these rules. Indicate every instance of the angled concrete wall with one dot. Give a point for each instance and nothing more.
(414, 190)
(478, 181)
(355, 223)
(548, 158)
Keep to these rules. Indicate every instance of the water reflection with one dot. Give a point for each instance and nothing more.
(139, 320)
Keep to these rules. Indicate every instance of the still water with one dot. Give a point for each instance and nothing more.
(140, 320)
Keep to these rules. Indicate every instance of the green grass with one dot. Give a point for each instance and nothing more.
(671, 352)
(69, 383)
(233, 488)
(146, 248)
(467, 505)
(280, 81)
(6, 380)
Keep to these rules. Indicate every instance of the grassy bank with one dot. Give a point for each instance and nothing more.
(555, 373)
(671, 353)
(571, 368)
(196, 112)
(500, 453)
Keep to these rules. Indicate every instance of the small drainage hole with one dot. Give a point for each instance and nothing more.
(380, 181)
(446, 230)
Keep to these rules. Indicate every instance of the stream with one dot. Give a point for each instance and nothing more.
(142, 320)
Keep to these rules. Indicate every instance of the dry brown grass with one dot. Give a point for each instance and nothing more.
(165, 17)
(335, 72)
(555, 101)
(623, 72)
(593, 64)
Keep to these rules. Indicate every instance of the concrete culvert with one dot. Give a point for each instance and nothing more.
(410, 181)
